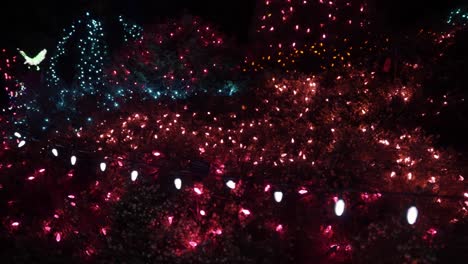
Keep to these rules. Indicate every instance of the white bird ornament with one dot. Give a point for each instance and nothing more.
(34, 61)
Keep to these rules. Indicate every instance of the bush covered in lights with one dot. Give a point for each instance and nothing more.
(258, 183)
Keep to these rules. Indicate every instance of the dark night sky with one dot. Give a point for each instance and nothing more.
(34, 24)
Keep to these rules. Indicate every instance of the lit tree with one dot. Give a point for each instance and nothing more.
(308, 34)
(175, 60)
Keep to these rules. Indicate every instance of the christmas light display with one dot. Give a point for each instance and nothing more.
(294, 167)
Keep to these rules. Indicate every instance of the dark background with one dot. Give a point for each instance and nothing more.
(35, 24)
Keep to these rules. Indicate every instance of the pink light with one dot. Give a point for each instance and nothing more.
(466, 194)
(335, 246)
(197, 190)
(170, 218)
(303, 191)
(202, 212)
(41, 170)
(156, 153)
(218, 231)
(104, 231)
(267, 188)
(31, 178)
(58, 237)
(279, 228)
(71, 196)
(15, 224)
(432, 231)
(193, 243)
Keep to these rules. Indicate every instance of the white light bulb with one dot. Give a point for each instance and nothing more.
(134, 175)
(231, 184)
(102, 166)
(278, 196)
(55, 152)
(73, 160)
(178, 183)
(412, 215)
(22, 143)
(18, 135)
(339, 207)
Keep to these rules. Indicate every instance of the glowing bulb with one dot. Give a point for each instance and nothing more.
(73, 160)
(178, 183)
(278, 196)
(18, 135)
(55, 152)
(134, 175)
(339, 207)
(197, 190)
(231, 184)
(22, 143)
(193, 243)
(102, 166)
(279, 228)
(412, 215)
(245, 212)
